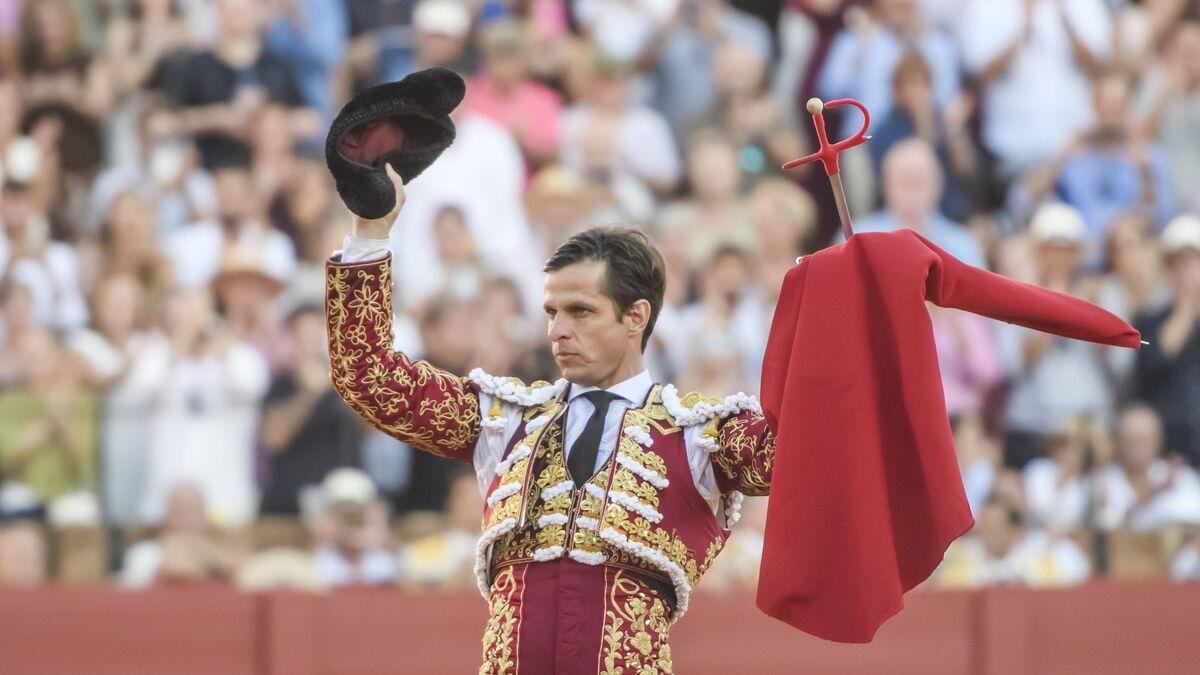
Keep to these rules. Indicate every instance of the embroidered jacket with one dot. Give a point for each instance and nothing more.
(640, 516)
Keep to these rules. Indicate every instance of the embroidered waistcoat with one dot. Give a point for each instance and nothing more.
(640, 511)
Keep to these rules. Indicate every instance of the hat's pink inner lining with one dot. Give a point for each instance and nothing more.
(366, 143)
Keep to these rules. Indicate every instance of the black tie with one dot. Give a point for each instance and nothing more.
(581, 460)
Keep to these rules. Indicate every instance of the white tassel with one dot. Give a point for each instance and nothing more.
(536, 423)
(557, 489)
(483, 550)
(494, 424)
(502, 492)
(519, 453)
(552, 519)
(548, 553)
(587, 557)
(640, 435)
(649, 475)
(594, 490)
(733, 509)
(707, 444)
(636, 505)
(515, 391)
(703, 411)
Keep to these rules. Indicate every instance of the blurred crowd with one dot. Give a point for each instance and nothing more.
(166, 414)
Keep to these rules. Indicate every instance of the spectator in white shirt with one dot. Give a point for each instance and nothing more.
(1003, 550)
(128, 365)
(461, 272)
(197, 250)
(188, 549)
(483, 175)
(49, 269)
(165, 172)
(1057, 488)
(712, 356)
(206, 415)
(1141, 490)
(1035, 59)
(351, 531)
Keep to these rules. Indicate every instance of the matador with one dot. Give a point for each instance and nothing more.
(607, 494)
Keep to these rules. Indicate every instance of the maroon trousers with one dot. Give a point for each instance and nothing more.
(564, 617)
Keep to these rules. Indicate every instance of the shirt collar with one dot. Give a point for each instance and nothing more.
(633, 389)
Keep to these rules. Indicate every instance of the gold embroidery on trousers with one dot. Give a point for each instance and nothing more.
(634, 638)
(500, 636)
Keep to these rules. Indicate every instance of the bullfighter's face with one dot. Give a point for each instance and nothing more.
(590, 338)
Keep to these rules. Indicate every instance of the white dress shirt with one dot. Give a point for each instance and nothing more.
(362, 249)
(632, 392)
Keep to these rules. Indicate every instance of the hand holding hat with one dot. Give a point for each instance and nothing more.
(380, 228)
(405, 125)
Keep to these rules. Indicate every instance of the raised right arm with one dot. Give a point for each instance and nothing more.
(415, 402)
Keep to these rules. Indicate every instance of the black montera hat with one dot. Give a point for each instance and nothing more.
(406, 124)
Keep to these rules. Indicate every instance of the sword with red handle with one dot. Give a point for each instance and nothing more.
(828, 152)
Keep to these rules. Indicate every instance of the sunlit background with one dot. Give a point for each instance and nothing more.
(167, 425)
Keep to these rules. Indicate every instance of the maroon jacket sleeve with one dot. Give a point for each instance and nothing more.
(415, 402)
(745, 454)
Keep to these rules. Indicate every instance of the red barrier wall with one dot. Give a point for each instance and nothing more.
(1101, 628)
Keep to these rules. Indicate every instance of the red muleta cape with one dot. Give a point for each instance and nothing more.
(866, 493)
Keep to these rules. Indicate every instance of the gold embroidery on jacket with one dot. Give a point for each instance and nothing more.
(711, 554)
(653, 415)
(640, 530)
(647, 458)
(746, 457)
(522, 542)
(415, 402)
(565, 509)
